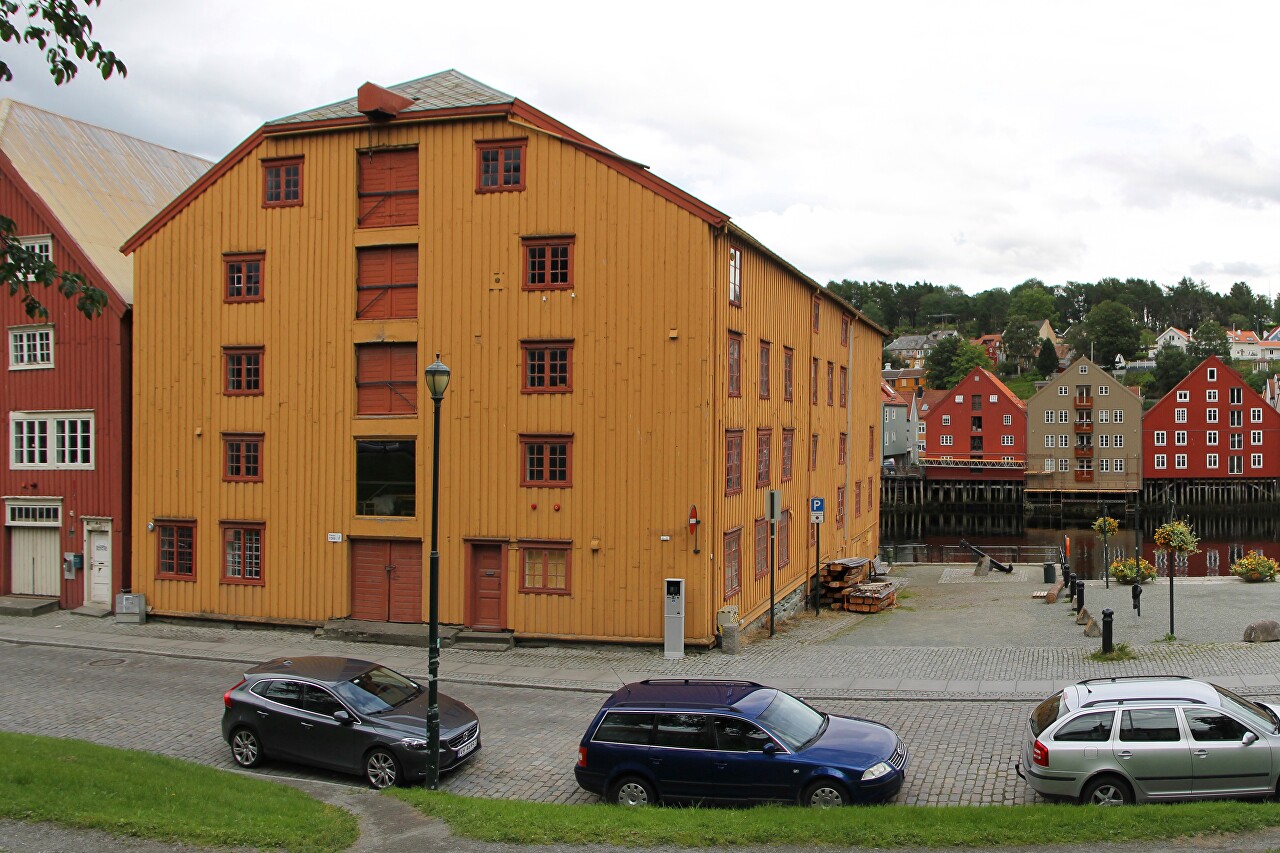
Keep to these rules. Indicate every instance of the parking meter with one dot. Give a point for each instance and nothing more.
(1136, 592)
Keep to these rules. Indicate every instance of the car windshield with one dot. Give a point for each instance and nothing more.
(377, 690)
(1047, 713)
(1251, 711)
(794, 722)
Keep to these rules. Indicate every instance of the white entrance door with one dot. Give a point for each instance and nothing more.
(98, 582)
(35, 564)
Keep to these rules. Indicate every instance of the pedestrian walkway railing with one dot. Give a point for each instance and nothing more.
(922, 553)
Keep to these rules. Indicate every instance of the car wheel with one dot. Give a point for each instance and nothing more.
(246, 749)
(825, 794)
(1107, 791)
(633, 791)
(381, 769)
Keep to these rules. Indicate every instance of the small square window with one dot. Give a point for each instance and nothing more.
(243, 277)
(31, 348)
(500, 165)
(548, 263)
(546, 461)
(282, 182)
(242, 457)
(548, 367)
(177, 555)
(242, 373)
(544, 568)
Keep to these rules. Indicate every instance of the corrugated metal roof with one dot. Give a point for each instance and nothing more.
(102, 185)
(445, 90)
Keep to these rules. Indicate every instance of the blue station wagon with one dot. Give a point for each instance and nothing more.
(718, 740)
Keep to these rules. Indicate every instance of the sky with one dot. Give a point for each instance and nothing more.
(966, 142)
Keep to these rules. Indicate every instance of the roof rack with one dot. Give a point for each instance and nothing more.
(1114, 678)
(713, 682)
(1146, 700)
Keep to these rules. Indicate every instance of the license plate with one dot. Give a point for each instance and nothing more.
(466, 748)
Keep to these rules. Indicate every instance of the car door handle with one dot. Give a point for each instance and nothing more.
(263, 714)
(308, 726)
(720, 765)
(1125, 754)
(655, 761)
(1201, 753)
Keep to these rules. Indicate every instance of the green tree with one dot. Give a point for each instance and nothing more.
(1256, 379)
(951, 360)
(892, 360)
(1047, 358)
(1032, 299)
(1210, 339)
(59, 28)
(1108, 331)
(1172, 366)
(1020, 340)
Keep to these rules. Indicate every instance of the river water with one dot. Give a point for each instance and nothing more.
(936, 537)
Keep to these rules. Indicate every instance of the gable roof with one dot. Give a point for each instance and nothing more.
(446, 90)
(889, 396)
(99, 185)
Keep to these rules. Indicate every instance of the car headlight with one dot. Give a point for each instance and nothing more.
(414, 743)
(875, 771)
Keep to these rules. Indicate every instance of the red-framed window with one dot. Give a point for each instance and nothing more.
(784, 539)
(387, 282)
(844, 387)
(831, 384)
(788, 454)
(242, 457)
(813, 452)
(548, 262)
(735, 364)
(788, 373)
(388, 187)
(242, 371)
(840, 491)
(546, 460)
(857, 499)
(871, 443)
(844, 331)
(871, 496)
(176, 555)
(817, 312)
(545, 567)
(242, 552)
(842, 448)
(282, 182)
(761, 530)
(548, 367)
(386, 379)
(813, 383)
(735, 276)
(242, 276)
(732, 562)
(732, 461)
(500, 165)
(764, 452)
(764, 370)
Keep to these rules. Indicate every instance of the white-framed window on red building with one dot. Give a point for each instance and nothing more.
(31, 347)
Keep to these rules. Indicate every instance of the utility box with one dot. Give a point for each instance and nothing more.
(131, 607)
(673, 619)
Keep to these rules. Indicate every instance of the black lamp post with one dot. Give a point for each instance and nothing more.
(437, 381)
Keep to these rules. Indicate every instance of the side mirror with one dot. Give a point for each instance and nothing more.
(1249, 737)
(771, 748)
(343, 717)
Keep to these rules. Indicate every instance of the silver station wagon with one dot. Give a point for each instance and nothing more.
(1112, 741)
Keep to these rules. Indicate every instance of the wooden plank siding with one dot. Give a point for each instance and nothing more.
(646, 316)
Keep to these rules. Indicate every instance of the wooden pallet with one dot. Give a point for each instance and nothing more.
(870, 597)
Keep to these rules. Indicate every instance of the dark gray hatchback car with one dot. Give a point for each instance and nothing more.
(343, 714)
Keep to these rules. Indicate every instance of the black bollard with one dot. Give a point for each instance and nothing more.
(1079, 596)
(1136, 592)
(1107, 615)
(1071, 588)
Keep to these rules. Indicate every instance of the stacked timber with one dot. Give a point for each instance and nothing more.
(870, 597)
(837, 579)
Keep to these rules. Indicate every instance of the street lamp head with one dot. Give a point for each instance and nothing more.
(437, 378)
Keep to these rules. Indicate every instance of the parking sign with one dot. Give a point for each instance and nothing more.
(817, 510)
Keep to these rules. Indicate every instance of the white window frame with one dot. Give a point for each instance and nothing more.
(1212, 373)
(32, 512)
(1084, 369)
(1237, 441)
(1104, 390)
(1255, 415)
(1179, 416)
(1184, 396)
(35, 342)
(1104, 466)
(1049, 416)
(1255, 437)
(1211, 416)
(1180, 438)
(1050, 441)
(946, 420)
(1064, 441)
(1104, 416)
(1064, 465)
(1049, 465)
(1235, 464)
(1160, 438)
(1007, 420)
(1211, 461)
(1117, 416)
(1180, 461)
(1062, 390)
(1117, 440)
(1211, 438)
(46, 440)
(1006, 441)
(1063, 416)
(946, 440)
(1118, 466)
(1211, 395)
(1255, 460)
(1237, 396)
(1159, 461)
(41, 244)
(1104, 440)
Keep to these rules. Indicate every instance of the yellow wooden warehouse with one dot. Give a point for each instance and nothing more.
(622, 357)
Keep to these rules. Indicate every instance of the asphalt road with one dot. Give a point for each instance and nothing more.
(962, 752)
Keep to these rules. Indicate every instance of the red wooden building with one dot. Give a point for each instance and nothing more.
(978, 431)
(75, 192)
(1211, 426)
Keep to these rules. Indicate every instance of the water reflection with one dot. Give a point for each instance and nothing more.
(936, 537)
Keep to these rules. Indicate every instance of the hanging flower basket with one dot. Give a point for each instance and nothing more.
(1131, 571)
(1178, 537)
(1254, 567)
(1106, 526)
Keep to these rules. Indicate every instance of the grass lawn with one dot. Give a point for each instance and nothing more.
(84, 785)
(879, 826)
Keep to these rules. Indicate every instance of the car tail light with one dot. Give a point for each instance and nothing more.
(582, 756)
(226, 697)
(1040, 754)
